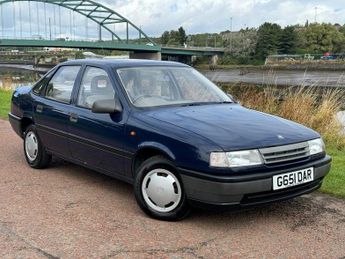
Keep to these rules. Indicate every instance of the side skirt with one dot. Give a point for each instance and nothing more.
(97, 169)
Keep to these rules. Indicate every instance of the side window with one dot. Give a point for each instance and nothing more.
(95, 86)
(61, 85)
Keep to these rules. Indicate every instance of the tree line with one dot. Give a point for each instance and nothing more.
(255, 44)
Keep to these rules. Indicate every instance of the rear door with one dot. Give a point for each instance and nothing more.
(97, 140)
(51, 111)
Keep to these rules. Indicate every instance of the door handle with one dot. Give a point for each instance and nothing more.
(39, 108)
(73, 117)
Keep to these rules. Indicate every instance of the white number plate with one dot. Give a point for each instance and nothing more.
(286, 180)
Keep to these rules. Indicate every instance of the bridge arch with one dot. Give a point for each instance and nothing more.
(100, 14)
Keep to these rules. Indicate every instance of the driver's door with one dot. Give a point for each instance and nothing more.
(96, 140)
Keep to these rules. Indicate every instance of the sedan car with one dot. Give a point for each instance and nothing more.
(170, 132)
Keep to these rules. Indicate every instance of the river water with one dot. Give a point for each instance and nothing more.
(11, 78)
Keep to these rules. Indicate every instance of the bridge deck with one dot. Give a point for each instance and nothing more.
(112, 45)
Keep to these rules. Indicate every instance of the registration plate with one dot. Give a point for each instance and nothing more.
(286, 180)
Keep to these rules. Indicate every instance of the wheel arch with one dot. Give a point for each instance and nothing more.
(148, 150)
(25, 123)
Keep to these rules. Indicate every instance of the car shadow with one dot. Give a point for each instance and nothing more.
(80, 173)
(295, 213)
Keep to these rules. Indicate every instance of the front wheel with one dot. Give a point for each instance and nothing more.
(34, 151)
(159, 191)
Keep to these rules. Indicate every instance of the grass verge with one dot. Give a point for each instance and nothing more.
(5, 102)
(334, 182)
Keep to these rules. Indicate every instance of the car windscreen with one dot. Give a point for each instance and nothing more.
(163, 85)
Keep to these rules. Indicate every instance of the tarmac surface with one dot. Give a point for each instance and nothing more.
(67, 211)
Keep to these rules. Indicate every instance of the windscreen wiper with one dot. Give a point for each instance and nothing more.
(206, 103)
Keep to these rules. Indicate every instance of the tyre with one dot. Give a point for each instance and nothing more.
(159, 190)
(34, 151)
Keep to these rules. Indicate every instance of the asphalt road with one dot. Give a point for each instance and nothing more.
(67, 211)
(279, 77)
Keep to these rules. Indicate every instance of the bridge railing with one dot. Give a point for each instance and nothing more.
(192, 48)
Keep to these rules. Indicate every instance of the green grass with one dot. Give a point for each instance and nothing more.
(334, 182)
(5, 101)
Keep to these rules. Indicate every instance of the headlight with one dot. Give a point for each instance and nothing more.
(235, 158)
(316, 146)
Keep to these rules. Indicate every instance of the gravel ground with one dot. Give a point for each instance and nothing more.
(67, 211)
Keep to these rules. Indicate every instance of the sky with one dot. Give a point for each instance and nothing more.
(198, 16)
(155, 17)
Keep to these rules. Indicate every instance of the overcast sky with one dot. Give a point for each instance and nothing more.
(196, 16)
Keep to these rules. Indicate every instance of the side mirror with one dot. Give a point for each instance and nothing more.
(106, 106)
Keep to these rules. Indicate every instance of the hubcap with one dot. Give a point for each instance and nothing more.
(161, 190)
(31, 146)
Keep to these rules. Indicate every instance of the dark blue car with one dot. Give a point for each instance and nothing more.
(170, 132)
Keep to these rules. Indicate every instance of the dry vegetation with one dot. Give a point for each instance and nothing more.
(311, 106)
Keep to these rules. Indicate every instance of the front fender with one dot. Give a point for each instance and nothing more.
(28, 115)
(155, 145)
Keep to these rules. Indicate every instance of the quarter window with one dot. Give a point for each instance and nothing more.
(39, 87)
(95, 86)
(61, 85)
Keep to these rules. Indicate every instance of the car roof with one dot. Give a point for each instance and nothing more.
(117, 63)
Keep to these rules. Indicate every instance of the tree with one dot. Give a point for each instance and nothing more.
(320, 38)
(268, 35)
(288, 40)
(306, 23)
(342, 29)
(182, 37)
(165, 37)
(173, 37)
(243, 44)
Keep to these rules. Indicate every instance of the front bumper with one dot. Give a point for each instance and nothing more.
(248, 190)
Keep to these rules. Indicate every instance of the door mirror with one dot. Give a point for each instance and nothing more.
(107, 106)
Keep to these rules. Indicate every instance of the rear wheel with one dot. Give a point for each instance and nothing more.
(34, 151)
(159, 191)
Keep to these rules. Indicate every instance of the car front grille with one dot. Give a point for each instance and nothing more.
(286, 153)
